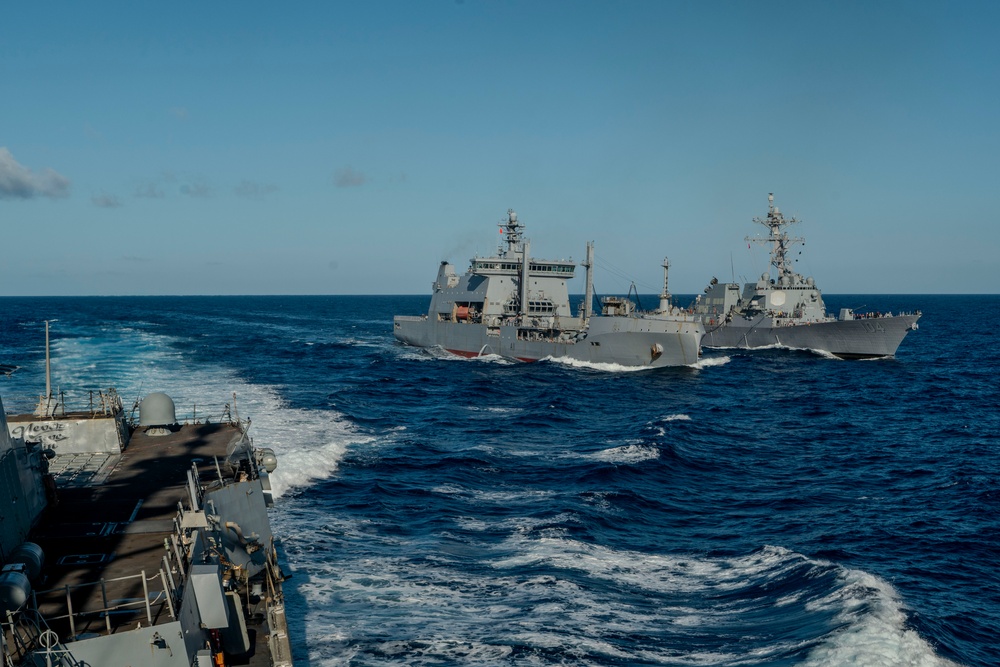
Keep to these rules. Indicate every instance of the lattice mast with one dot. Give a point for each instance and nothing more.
(779, 239)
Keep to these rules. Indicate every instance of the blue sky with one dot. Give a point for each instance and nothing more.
(348, 147)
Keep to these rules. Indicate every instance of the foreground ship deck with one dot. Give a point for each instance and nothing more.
(159, 553)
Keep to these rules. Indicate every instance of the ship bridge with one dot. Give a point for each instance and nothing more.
(499, 266)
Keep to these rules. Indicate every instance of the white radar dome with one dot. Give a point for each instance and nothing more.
(157, 409)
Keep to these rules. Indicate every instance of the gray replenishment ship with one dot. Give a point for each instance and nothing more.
(517, 306)
(136, 544)
(787, 309)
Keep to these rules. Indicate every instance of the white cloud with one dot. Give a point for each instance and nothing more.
(104, 200)
(149, 190)
(198, 189)
(253, 190)
(19, 182)
(346, 177)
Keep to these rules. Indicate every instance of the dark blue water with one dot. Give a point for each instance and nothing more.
(768, 508)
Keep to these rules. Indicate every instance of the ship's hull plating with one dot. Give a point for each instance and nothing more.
(849, 339)
(626, 341)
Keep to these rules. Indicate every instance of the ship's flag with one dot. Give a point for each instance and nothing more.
(501, 230)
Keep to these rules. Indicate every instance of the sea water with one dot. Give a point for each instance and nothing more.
(772, 507)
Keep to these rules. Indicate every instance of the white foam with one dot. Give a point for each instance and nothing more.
(489, 359)
(874, 629)
(660, 429)
(451, 616)
(661, 573)
(710, 362)
(515, 496)
(826, 354)
(497, 410)
(448, 490)
(309, 444)
(597, 366)
(431, 608)
(627, 454)
(513, 524)
(438, 353)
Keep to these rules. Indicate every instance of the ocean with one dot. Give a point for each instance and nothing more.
(770, 507)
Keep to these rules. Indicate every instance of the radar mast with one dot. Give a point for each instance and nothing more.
(779, 239)
(513, 231)
(665, 294)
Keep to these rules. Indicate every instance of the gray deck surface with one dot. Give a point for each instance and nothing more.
(117, 528)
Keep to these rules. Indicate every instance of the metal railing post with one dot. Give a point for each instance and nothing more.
(104, 601)
(169, 593)
(145, 592)
(69, 606)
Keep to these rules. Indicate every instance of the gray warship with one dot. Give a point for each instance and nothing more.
(517, 306)
(787, 309)
(130, 543)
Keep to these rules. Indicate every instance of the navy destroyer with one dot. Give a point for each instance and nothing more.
(130, 543)
(787, 309)
(517, 306)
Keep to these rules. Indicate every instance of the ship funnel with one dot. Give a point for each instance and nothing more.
(156, 412)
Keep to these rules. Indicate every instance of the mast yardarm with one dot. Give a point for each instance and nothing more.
(779, 239)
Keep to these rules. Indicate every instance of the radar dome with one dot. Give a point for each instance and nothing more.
(268, 459)
(14, 589)
(157, 409)
(31, 556)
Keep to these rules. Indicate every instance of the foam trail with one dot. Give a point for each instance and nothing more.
(579, 605)
(309, 444)
(826, 354)
(596, 366)
(437, 353)
(780, 346)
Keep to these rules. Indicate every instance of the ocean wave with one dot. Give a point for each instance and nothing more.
(710, 362)
(676, 417)
(874, 628)
(494, 409)
(551, 599)
(633, 453)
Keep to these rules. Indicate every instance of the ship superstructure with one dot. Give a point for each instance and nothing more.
(785, 308)
(517, 306)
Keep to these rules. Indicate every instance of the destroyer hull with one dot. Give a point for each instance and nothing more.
(626, 341)
(848, 339)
